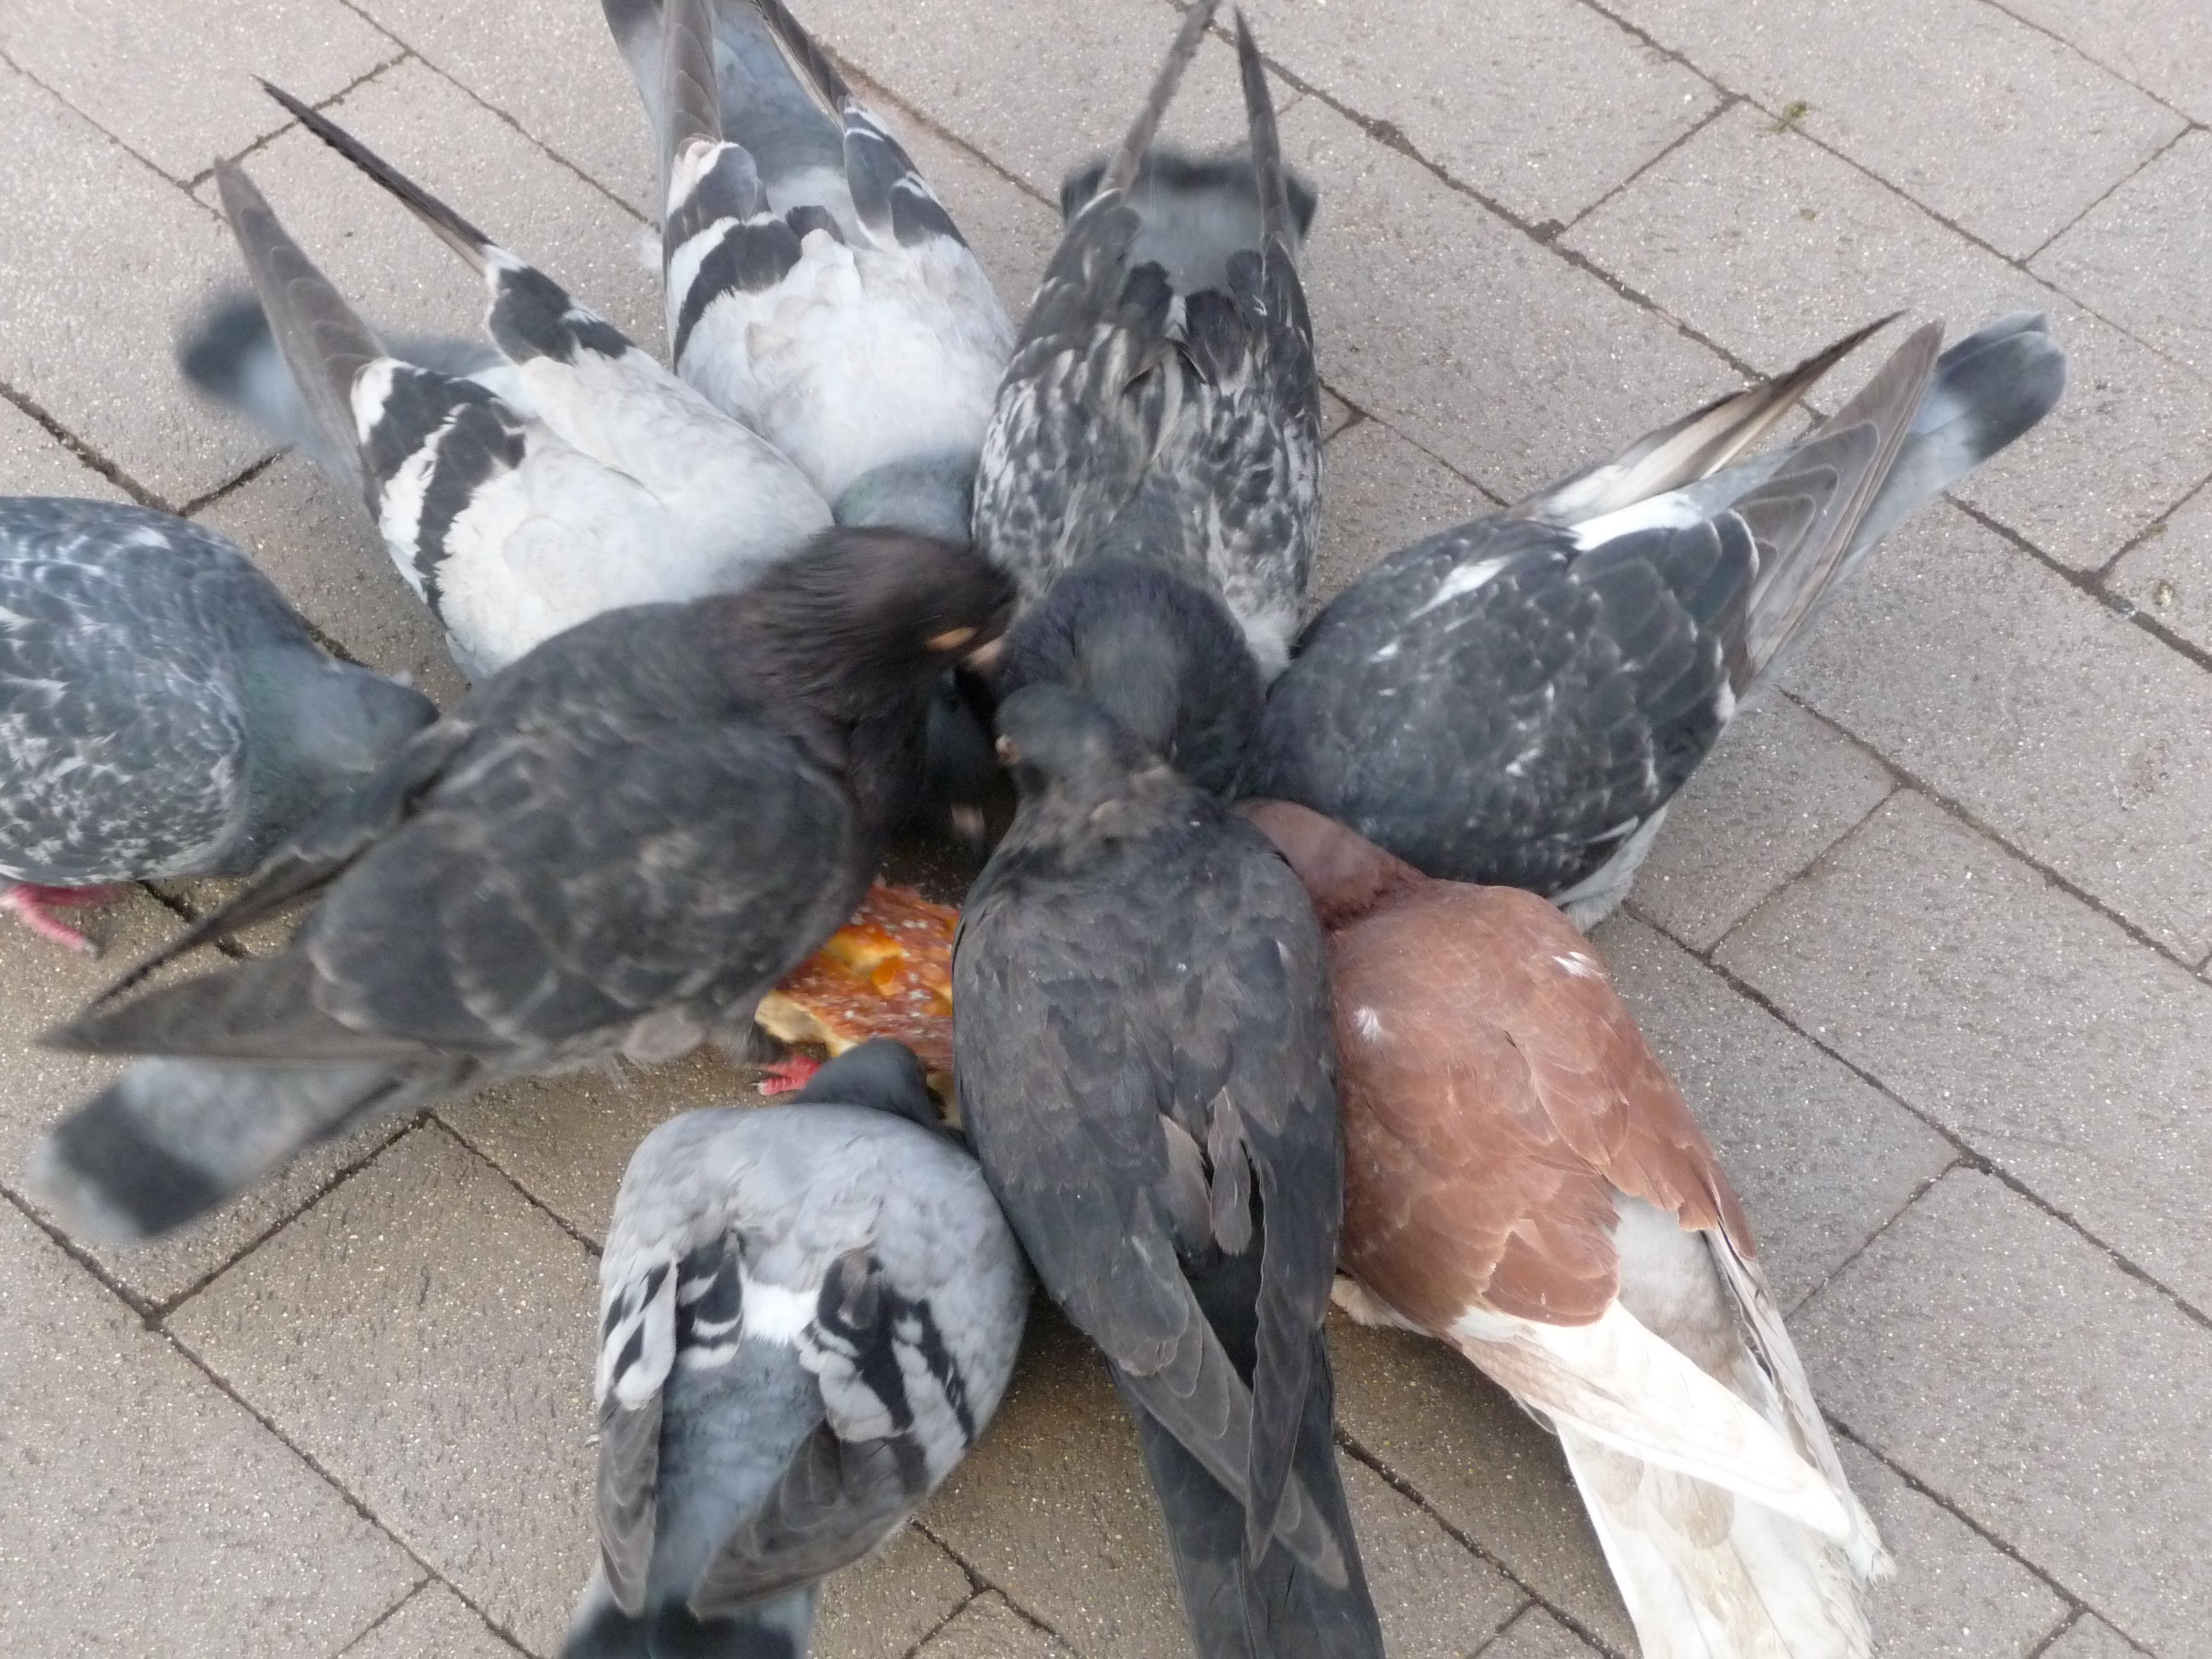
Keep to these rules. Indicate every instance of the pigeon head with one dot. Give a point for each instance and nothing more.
(1064, 749)
(1347, 875)
(930, 495)
(881, 1073)
(866, 617)
(1160, 654)
(322, 726)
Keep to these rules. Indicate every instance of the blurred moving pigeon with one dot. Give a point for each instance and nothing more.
(811, 1311)
(610, 483)
(163, 711)
(1143, 1062)
(1159, 429)
(1524, 1181)
(614, 846)
(818, 291)
(1516, 700)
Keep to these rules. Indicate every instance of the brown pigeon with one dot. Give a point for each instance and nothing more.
(1523, 1181)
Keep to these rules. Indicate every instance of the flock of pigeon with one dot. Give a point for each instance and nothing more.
(870, 556)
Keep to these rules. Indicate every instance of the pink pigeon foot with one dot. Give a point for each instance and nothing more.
(33, 906)
(785, 1075)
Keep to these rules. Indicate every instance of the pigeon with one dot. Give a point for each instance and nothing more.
(612, 847)
(163, 711)
(609, 483)
(810, 1313)
(1525, 1182)
(1159, 428)
(1515, 702)
(1142, 1060)
(817, 291)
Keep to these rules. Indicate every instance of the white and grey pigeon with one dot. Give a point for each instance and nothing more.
(163, 711)
(1515, 702)
(1151, 476)
(611, 848)
(818, 289)
(608, 482)
(810, 1314)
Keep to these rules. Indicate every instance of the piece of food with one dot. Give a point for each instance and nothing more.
(887, 973)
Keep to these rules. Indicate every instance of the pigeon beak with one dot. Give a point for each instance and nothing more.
(1007, 752)
(985, 659)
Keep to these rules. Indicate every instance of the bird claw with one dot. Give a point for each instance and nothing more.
(33, 906)
(787, 1075)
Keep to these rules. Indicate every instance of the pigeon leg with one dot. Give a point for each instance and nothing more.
(34, 907)
(785, 1075)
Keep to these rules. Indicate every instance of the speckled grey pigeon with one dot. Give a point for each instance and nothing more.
(1515, 702)
(810, 1314)
(613, 846)
(163, 712)
(611, 483)
(817, 291)
(1162, 411)
(1145, 1068)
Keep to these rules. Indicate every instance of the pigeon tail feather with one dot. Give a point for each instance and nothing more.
(1121, 171)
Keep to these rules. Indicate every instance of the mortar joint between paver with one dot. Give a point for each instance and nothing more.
(979, 1583)
(384, 1618)
(2104, 195)
(92, 121)
(1926, 1185)
(83, 1258)
(1348, 1444)
(528, 1197)
(82, 451)
(1505, 1629)
(1728, 101)
(2082, 52)
(191, 186)
(2153, 529)
(2064, 1627)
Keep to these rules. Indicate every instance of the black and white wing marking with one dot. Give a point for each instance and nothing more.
(836, 310)
(1140, 1060)
(123, 739)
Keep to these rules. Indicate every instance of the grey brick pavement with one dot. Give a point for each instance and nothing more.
(1927, 941)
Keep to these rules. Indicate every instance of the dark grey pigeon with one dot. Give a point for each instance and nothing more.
(1516, 702)
(604, 481)
(1144, 1066)
(1161, 410)
(612, 847)
(817, 291)
(163, 711)
(809, 1312)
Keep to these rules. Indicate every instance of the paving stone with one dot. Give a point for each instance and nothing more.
(1767, 243)
(566, 1140)
(2059, 724)
(2133, 256)
(425, 1335)
(1820, 1158)
(1437, 1599)
(1536, 1635)
(1966, 130)
(1052, 1506)
(1038, 89)
(434, 1623)
(1499, 97)
(880, 1608)
(553, 69)
(174, 80)
(42, 986)
(1955, 1595)
(2091, 1637)
(1439, 1426)
(34, 462)
(93, 281)
(2010, 1013)
(989, 1628)
(2170, 574)
(313, 539)
(146, 1513)
(1778, 792)
(394, 270)
(1942, 1347)
(1485, 348)
(2160, 45)
(1380, 493)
